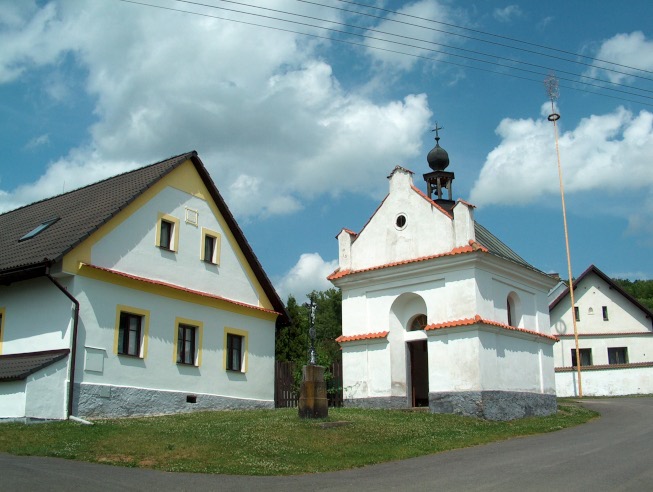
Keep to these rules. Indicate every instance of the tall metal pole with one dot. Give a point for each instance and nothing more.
(551, 84)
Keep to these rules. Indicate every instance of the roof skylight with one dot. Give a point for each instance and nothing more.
(38, 229)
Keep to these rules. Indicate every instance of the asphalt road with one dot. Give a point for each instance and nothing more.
(610, 453)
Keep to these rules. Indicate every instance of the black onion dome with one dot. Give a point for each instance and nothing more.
(438, 158)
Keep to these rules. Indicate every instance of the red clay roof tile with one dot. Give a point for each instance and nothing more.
(364, 336)
(473, 246)
(479, 320)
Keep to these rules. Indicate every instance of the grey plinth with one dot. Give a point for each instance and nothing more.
(313, 403)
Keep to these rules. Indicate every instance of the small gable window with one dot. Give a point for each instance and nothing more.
(605, 313)
(210, 246)
(39, 229)
(400, 222)
(167, 232)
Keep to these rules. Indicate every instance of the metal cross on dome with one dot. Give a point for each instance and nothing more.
(436, 129)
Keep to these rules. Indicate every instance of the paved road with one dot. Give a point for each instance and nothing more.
(610, 453)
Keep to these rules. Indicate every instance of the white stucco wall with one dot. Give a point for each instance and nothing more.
(38, 316)
(368, 369)
(12, 399)
(131, 248)
(627, 326)
(606, 382)
(46, 392)
(158, 370)
(427, 231)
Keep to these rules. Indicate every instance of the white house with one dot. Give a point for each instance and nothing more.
(135, 295)
(437, 311)
(615, 338)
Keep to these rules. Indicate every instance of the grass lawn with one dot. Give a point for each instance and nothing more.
(270, 442)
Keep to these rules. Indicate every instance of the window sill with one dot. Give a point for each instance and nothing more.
(131, 356)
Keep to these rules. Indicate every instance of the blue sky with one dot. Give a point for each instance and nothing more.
(299, 132)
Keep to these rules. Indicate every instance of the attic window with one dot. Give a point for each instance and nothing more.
(400, 221)
(38, 229)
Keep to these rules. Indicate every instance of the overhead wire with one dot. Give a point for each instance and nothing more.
(449, 62)
(368, 29)
(508, 38)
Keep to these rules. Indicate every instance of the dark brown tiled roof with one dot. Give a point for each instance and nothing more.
(15, 367)
(81, 212)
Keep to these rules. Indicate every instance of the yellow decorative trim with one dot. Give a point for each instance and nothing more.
(145, 328)
(216, 248)
(183, 178)
(241, 333)
(199, 326)
(2, 326)
(175, 231)
(174, 292)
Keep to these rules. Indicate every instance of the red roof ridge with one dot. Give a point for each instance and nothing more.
(423, 195)
(363, 336)
(460, 200)
(480, 320)
(178, 288)
(473, 247)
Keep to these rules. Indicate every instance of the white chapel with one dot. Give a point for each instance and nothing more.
(438, 312)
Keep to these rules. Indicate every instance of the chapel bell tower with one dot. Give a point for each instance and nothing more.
(439, 180)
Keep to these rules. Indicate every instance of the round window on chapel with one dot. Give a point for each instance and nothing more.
(400, 222)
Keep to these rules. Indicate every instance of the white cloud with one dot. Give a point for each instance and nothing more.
(507, 14)
(411, 27)
(308, 274)
(628, 49)
(607, 153)
(274, 121)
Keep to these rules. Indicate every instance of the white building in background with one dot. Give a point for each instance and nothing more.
(135, 295)
(615, 338)
(437, 311)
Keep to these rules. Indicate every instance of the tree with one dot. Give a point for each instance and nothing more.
(292, 340)
(642, 290)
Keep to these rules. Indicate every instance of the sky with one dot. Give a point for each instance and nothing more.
(299, 121)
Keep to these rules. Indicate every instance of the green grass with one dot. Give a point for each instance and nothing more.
(270, 442)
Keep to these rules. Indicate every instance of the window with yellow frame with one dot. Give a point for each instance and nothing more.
(235, 352)
(210, 252)
(188, 342)
(131, 331)
(167, 232)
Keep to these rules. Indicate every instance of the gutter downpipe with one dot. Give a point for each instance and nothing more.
(73, 350)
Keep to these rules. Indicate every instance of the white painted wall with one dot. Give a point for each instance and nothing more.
(131, 248)
(159, 370)
(38, 316)
(627, 326)
(428, 230)
(46, 391)
(606, 382)
(12, 399)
